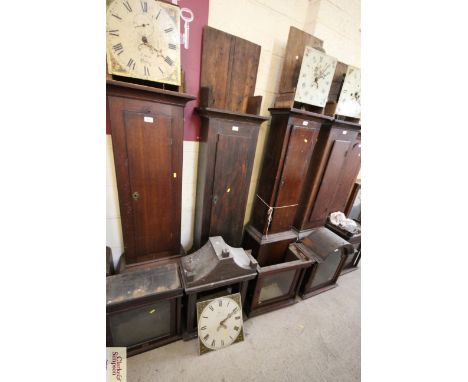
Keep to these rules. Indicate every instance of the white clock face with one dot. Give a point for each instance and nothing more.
(349, 103)
(315, 77)
(143, 40)
(220, 323)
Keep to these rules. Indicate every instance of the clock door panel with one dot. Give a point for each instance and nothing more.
(330, 180)
(229, 185)
(151, 178)
(299, 150)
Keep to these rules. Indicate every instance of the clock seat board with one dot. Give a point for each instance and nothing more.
(147, 131)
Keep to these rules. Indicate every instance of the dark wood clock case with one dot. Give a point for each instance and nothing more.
(144, 308)
(147, 137)
(332, 173)
(330, 253)
(215, 270)
(229, 131)
(291, 143)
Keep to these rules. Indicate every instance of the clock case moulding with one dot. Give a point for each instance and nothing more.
(215, 270)
(144, 308)
(160, 85)
(230, 124)
(330, 252)
(352, 211)
(141, 119)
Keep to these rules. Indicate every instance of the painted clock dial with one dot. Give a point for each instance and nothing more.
(220, 323)
(143, 40)
(315, 77)
(349, 103)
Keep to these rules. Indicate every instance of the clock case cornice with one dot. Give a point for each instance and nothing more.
(143, 92)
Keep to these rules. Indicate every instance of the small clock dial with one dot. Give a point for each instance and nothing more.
(220, 323)
(349, 103)
(143, 40)
(315, 77)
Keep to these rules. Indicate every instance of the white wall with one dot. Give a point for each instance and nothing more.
(264, 22)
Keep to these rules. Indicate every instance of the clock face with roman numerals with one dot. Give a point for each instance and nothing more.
(315, 77)
(349, 103)
(219, 323)
(143, 40)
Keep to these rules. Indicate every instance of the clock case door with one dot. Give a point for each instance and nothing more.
(147, 133)
(332, 173)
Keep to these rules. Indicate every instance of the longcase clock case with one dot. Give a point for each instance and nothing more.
(147, 133)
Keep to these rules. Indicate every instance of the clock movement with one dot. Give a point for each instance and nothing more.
(143, 40)
(220, 322)
(349, 103)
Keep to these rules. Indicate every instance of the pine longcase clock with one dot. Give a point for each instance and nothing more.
(315, 77)
(349, 103)
(143, 40)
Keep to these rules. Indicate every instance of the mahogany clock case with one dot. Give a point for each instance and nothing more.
(215, 270)
(291, 143)
(144, 308)
(352, 261)
(277, 283)
(332, 173)
(147, 132)
(330, 253)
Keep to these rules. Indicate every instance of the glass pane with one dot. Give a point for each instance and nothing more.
(326, 270)
(142, 324)
(276, 285)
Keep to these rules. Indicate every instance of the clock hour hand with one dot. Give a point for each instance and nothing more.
(146, 43)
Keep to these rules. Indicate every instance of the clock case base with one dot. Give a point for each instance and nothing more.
(152, 286)
(330, 252)
(283, 276)
(352, 262)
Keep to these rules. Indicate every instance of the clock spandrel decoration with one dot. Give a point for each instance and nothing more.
(219, 323)
(143, 40)
(315, 77)
(349, 103)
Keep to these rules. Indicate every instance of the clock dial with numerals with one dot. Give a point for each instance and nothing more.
(349, 103)
(220, 323)
(143, 40)
(315, 77)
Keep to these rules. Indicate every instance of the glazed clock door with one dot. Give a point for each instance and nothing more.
(299, 150)
(146, 137)
(229, 187)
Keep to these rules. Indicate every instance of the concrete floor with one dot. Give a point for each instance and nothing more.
(318, 339)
